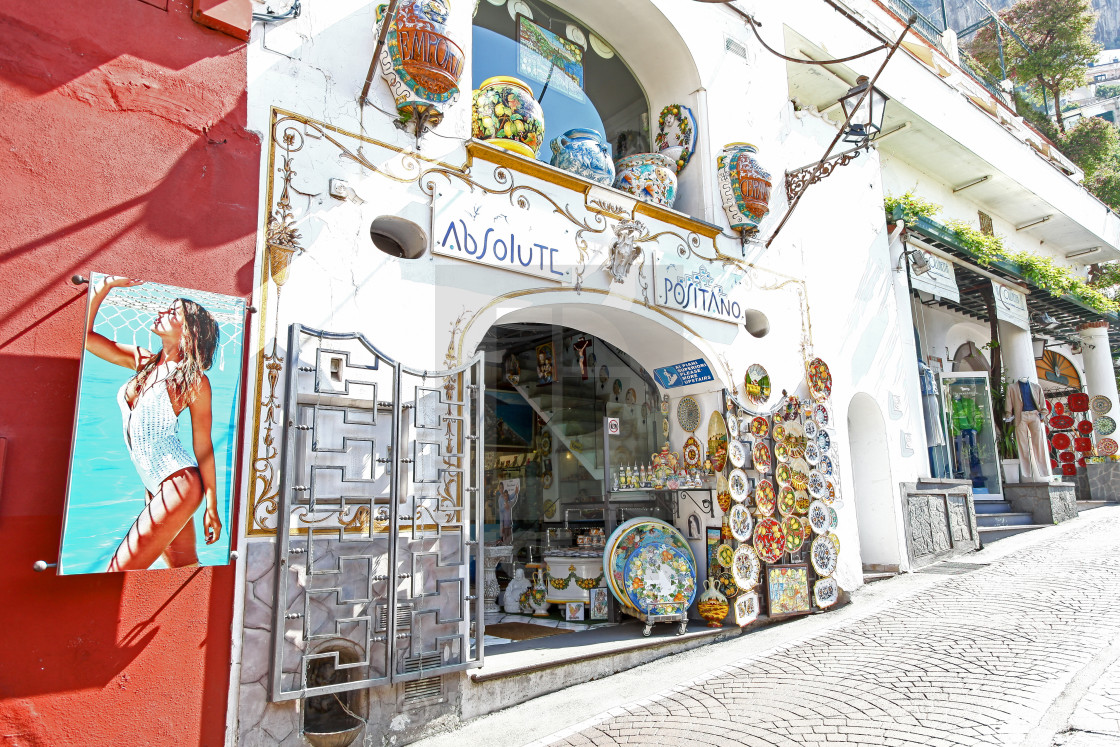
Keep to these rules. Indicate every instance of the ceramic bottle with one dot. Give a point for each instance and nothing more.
(713, 605)
(744, 186)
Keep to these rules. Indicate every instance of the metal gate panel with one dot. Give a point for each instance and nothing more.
(380, 511)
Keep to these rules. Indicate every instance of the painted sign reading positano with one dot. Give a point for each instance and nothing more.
(1011, 306)
(497, 234)
(941, 280)
(691, 287)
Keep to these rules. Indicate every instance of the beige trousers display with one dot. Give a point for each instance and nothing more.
(1031, 440)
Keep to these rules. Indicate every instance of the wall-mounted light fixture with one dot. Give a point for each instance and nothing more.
(1084, 252)
(972, 183)
(917, 259)
(1034, 222)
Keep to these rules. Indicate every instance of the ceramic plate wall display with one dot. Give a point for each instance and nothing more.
(781, 452)
(726, 583)
(732, 426)
(825, 466)
(811, 429)
(821, 414)
(688, 414)
(740, 522)
(760, 426)
(1085, 427)
(1079, 402)
(717, 441)
(1106, 447)
(795, 532)
(1060, 441)
(1067, 456)
(824, 442)
(746, 609)
(1105, 425)
(787, 501)
(784, 475)
(816, 484)
(801, 506)
(761, 456)
(826, 592)
(738, 486)
(812, 453)
(1083, 444)
(820, 380)
(692, 453)
(823, 556)
(1100, 404)
(833, 518)
(737, 453)
(829, 490)
(779, 430)
(769, 540)
(819, 518)
(764, 497)
(746, 569)
(725, 555)
(756, 383)
(1061, 422)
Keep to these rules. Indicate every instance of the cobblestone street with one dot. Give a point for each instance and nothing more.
(1011, 647)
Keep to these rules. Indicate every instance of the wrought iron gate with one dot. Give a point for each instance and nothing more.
(380, 516)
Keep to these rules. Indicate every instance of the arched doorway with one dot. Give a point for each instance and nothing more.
(873, 487)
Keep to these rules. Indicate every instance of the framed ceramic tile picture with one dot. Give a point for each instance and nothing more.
(598, 605)
(787, 589)
(573, 611)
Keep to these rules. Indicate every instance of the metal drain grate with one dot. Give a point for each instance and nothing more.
(950, 568)
(736, 48)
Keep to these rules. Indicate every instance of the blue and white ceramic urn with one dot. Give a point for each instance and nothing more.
(584, 153)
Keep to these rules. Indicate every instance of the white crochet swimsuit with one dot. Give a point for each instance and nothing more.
(151, 434)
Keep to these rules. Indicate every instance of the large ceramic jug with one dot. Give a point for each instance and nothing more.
(538, 597)
(424, 63)
(744, 186)
(584, 153)
(650, 177)
(507, 115)
(515, 589)
(713, 605)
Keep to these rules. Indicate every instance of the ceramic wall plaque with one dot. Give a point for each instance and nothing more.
(744, 187)
(676, 135)
(420, 61)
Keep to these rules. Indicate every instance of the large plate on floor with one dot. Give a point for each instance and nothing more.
(660, 578)
(627, 539)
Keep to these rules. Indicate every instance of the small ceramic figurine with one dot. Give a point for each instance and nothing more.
(539, 595)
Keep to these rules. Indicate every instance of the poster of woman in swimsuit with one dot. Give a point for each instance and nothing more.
(152, 461)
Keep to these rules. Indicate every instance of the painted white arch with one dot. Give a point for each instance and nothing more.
(873, 488)
(963, 332)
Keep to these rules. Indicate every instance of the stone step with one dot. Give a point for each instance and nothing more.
(870, 577)
(992, 534)
(1086, 505)
(1004, 519)
(992, 507)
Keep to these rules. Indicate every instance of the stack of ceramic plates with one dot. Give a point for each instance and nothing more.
(649, 567)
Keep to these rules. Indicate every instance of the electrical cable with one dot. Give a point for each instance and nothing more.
(754, 27)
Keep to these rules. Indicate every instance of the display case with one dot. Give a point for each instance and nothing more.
(970, 430)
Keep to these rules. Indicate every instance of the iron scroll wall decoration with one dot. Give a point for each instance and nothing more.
(379, 517)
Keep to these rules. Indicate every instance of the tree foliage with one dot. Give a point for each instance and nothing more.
(1059, 35)
(1107, 91)
(1092, 144)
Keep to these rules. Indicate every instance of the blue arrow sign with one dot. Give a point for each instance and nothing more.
(684, 374)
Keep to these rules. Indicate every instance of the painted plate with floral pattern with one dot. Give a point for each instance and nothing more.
(824, 441)
(688, 414)
(769, 540)
(825, 466)
(1106, 447)
(628, 538)
(727, 587)
(760, 426)
(1085, 427)
(1060, 441)
(660, 579)
(812, 453)
(764, 497)
(725, 555)
(779, 430)
(738, 485)
(1105, 425)
(756, 383)
(834, 518)
(761, 456)
(823, 556)
(787, 501)
(1083, 444)
(746, 609)
(737, 453)
(811, 429)
(826, 592)
(816, 487)
(795, 532)
(692, 453)
(829, 490)
(784, 475)
(794, 430)
(801, 507)
(746, 569)
(821, 414)
(820, 380)
(1079, 402)
(1100, 404)
(819, 518)
(781, 452)
(835, 541)
(740, 522)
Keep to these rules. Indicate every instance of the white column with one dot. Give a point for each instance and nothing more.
(1017, 352)
(1100, 377)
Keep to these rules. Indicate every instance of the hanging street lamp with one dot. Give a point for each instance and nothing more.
(864, 105)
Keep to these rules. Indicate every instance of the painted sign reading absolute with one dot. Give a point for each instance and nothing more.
(941, 280)
(691, 287)
(494, 233)
(1011, 306)
(683, 374)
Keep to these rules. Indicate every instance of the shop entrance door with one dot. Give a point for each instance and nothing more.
(967, 400)
(378, 563)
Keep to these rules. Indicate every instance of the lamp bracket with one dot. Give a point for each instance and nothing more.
(800, 180)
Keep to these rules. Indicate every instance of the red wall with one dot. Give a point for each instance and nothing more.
(123, 149)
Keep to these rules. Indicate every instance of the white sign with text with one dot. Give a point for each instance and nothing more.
(1011, 306)
(698, 287)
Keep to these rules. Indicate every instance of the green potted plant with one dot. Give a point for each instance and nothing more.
(1005, 436)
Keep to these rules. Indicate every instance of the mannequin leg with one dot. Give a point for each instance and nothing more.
(1038, 447)
(1023, 444)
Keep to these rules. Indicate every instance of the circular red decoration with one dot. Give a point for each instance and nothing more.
(1061, 422)
(1069, 469)
(1053, 464)
(1085, 427)
(1060, 441)
(769, 540)
(1081, 462)
(1067, 457)
(1106, 447)
(1083, 444)
(1079, 402)
(1059, 408)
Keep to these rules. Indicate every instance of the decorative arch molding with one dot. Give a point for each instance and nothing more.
(1057, 370)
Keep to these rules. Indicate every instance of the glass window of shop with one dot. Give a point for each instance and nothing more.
(594, 89)
(970, 423)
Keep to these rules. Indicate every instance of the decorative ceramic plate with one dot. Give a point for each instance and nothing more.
(764, 497)
(812, 453)
(829, 490)
(1106, 447)
(740, 522)
(800, 480)
(761, 456)
(781, 452)
(756, 384)
(1067, 456)
(826, 592)
(1083, 444)
(760, 426)
(820, 380)
(737, 453)
(1085, 427)
(791, 410)
(816, 485)
(811, 429)
(1069, 469)
(688, 414)
(692, 453)
(1061, 422)
(835, 542)
(717, 441)
(794, 430)
(823, 556)
(821, 414)
(627, 539)
(787, 501)
(729, 402)
(725, 555)
(676, 135)
(784, 475)
(769, 540)
(1105, 425)
(1100, 404)
(746, 569)
(779, 430)
(801, 507)
(1060, 441)
(665, 405)
(796, 446)
(737, 485)
(746, 609)
(726, 583)
(795, 532)
(834, 518)
(824, 441)
(1079, 402)
(819, 518)
(1059, 408)
(665, 427)
(732, 426)
(660, 579)
(825, 466)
